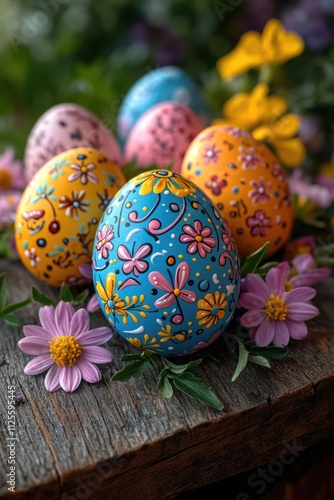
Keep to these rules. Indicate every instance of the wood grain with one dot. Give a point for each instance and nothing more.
(116, 440)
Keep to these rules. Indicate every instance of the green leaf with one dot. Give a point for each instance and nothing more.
(262, 271)
(164, 385)
(242, 360)
(41, 297)
(3, 291)
(65, 293)
(133, 369)
(10, 319)
(174, 368)
(13, 307)
(132, 357)
(270, 352)
(250, 263)
(81, 297)
(259, 360)
(196, 388)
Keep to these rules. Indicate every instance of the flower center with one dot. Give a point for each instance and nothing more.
(214, 310)
(275, 308)
(103, 242)
(5, 179)
(84, 170)
(177, 292)
(65, 350)
(288, 285)
(199, 238)
(111, 304)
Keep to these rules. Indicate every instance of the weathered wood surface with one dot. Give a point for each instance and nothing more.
(123, 440)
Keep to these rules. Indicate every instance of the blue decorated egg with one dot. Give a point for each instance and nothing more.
(165, 265)
(168, 83)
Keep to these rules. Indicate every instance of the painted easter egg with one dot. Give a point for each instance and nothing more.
(244, 179)
(59, 212)
(162, 135)
(63, 127)
(168, 83)
(165, 265)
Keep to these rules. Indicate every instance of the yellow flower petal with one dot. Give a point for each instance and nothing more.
(247, 109)
(290, 151)
(286, 127)
(101, 291)
(263, 133)
(278, 45)
(327, 169)
(276, 107)
(246, 55)
(110, 284)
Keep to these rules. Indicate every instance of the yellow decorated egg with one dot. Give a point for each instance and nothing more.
(244, 179)
(59, 211)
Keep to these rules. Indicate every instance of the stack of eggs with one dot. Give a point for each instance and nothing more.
(165, 245)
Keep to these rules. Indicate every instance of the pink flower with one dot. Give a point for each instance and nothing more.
(216, 185)
(9, 201)
(84, 173)
(321, 195)
(211, 154)
(134, 263)
(298, 246)
(248, 158)
(275, 315)
(198, 238)
(87, 272)
(260, 191)
(302, 272)
(175, 290)
(259, 223)
(66, 347)
(228, 238)
(236, 132)
(104, 244)
(11, 171)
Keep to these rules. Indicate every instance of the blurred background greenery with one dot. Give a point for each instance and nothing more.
(90, 52)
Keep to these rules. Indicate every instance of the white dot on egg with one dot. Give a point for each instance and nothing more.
(278, 219)
(170, 244)
(224, 275)
(171, 348)
(166, 191)
(172, 235)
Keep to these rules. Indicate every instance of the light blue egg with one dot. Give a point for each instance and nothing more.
(168, 83)
(165, 266)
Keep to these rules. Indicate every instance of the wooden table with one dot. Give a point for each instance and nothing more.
(123, 440)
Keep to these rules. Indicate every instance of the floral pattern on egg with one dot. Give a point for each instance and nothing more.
(63, 127)
(244, 179)
(162, 135)
(59, 211)
(165, 265)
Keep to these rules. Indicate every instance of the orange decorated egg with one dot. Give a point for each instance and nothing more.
(244, 179)
(59, 212)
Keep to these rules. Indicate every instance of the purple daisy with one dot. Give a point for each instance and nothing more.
(275, 315)
(66, 347)
(302, 272)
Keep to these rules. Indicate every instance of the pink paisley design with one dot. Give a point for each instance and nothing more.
(211, 154)
(134, 263)
(198, 238)
(83, 172)
(104, 244)
(260, 192)
(216, 185)
(259, 223)
(175, 290)
(248, 158)
(228, 238)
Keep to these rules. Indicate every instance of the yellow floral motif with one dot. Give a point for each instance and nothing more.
(264, 117)
(113, 304)
(273, 46)
(211, 309)
(167, 334)
(147, 345)
(160, 180)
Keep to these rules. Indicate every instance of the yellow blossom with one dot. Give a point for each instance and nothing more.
(273, 46)
(263, 116)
